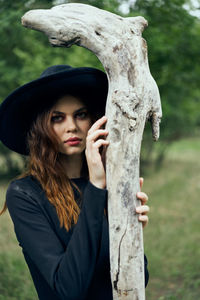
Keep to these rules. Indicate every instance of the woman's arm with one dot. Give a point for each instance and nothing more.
(68, 271)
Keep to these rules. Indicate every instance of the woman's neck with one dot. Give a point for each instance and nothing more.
(72, 165)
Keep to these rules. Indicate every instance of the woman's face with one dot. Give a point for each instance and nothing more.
(70, 120)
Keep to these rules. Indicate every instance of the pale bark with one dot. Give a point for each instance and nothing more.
(132, 99)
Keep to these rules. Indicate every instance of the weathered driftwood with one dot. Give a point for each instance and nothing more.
(132, 99)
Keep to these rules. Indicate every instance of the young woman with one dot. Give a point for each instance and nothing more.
(59, 205)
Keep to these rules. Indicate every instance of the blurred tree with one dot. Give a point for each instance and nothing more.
(173, 38)
(110, 5)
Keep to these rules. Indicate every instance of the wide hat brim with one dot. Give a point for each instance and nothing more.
(20, 108)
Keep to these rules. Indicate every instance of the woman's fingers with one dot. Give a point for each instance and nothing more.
(95, 139)
(100, 143)
(144, 219)
(94, 135)
(141, 182)
(95, 146)
(97, 124)
(143, 197)
(93, 143)
(143, 209)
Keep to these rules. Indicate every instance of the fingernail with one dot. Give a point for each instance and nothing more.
(137, 209)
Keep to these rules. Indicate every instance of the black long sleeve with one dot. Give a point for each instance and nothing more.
(68, 271)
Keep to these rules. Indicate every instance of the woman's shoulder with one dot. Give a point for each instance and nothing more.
(24, 183)
(24, 196)
(25, 187)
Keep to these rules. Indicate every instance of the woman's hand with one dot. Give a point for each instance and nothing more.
(96, 168)
(143, 209)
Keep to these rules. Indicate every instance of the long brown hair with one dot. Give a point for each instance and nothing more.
(45, 164)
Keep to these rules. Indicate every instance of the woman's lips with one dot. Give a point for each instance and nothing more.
(73, 141)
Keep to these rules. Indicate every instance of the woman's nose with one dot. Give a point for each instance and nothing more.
(70, 124)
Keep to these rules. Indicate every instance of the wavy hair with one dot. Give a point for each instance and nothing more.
(45, 164)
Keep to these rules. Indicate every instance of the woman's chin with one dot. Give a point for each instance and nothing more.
(72, 151)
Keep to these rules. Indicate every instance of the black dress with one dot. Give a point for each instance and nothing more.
(64, 265)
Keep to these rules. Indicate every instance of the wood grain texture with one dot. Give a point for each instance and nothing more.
(133, 98)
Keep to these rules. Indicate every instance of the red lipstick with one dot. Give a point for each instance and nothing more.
(73, 141)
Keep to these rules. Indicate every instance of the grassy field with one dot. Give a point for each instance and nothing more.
(171, 239)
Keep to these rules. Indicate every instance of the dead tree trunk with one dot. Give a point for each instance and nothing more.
(132, 99)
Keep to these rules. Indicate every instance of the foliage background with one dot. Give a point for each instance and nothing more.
(173, 39)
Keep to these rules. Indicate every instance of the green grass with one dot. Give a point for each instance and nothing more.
(171, 239)
(15, 280)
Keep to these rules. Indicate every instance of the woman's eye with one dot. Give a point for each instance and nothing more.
(82, 115)
(56, 119)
